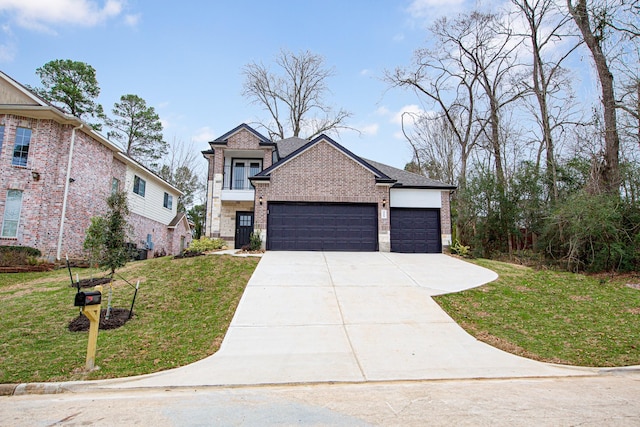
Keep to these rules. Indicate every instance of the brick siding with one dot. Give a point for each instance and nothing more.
(93, 167)
(321, 174)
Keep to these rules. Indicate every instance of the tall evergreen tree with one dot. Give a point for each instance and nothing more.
(72, 86)
(138, 129)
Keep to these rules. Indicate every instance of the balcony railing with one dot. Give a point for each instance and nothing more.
(237, 177)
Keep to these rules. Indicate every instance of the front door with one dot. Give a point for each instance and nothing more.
(244, 227)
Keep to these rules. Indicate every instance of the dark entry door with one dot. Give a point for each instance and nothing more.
(244, 227)
(322, 227)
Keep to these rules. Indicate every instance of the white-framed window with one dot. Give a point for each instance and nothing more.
(11, 217)
(238, 172)
(21, 147)
(168, 201)
(139, 185)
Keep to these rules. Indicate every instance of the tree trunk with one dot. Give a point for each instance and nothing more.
(611, 170)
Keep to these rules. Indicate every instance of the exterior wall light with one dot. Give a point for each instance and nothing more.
(384, 202)
(35, 175)
(260, 200)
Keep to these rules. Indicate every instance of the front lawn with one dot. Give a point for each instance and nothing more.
(182, 311)
(553, 316)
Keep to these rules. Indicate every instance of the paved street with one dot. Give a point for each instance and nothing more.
(611, 400)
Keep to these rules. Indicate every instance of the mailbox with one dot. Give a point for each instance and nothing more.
(88, 298)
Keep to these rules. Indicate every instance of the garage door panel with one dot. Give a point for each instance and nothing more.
(322, 226)
(415, 230)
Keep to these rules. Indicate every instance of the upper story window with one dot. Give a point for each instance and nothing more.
(139, 185)
(236, 174)
(11, 217)
(21, 147)
(1, 137)
(168, 201)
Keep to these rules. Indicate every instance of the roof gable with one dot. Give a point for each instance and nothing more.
(380, 176)
(14, 93)
(223, 139)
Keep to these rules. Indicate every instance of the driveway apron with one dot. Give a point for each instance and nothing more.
(351, 317)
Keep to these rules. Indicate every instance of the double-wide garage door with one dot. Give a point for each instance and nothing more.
(415, 230)
(322, 227)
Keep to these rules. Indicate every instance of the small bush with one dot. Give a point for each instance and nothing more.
(204, 244)
(458, 248)
(18, 255)
(255, 242)
(26, 249)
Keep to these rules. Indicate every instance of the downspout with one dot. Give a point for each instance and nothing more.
(66, 191)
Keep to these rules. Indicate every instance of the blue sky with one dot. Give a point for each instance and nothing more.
(185, 58)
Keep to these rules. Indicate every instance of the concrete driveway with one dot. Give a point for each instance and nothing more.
(351, 317)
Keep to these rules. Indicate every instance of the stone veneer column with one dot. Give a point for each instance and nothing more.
(445, 218)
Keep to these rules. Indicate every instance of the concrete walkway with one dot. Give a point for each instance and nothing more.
(350, 317)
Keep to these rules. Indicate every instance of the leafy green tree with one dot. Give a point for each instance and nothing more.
(70, 85)
(196, 216)
(184, 180)
(181, 169)
(107, 236)
(138, 129)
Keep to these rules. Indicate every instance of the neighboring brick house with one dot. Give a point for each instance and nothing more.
(317, 195)
(56, 173)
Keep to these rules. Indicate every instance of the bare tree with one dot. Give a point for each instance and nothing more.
(450, 85)
(546, 26)
(436, 153)
(293, 95)
(593, 24)
(182, 168)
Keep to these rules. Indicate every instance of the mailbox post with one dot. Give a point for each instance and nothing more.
(90, 303)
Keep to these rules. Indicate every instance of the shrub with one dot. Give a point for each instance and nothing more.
(204, 244)
(18, 255)
(458, 248)
(594, 233)
(255, 242)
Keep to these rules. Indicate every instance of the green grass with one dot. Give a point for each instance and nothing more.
(182, 312)
(553, 316)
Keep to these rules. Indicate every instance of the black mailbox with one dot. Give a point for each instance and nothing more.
(88, 298)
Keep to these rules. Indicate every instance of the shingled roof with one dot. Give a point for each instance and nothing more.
(289, 145)
(408, 179)
(403, 178)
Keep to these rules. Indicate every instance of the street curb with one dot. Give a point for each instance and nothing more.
(7, 389)
(31, 388)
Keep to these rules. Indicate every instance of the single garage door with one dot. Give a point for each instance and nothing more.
(415, 230)
(322, 227)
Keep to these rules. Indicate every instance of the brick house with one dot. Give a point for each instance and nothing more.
(317, 195)
(56, 173)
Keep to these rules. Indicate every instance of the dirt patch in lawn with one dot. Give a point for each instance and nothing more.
(118, 317)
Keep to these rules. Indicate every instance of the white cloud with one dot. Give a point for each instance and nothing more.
(41, 14)
(398, 37)
(409, 112)
(132, 20)
(204, 134)
(370, 129)
(382, 111)
(365, 72)
(427, 8)
(8, 45)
